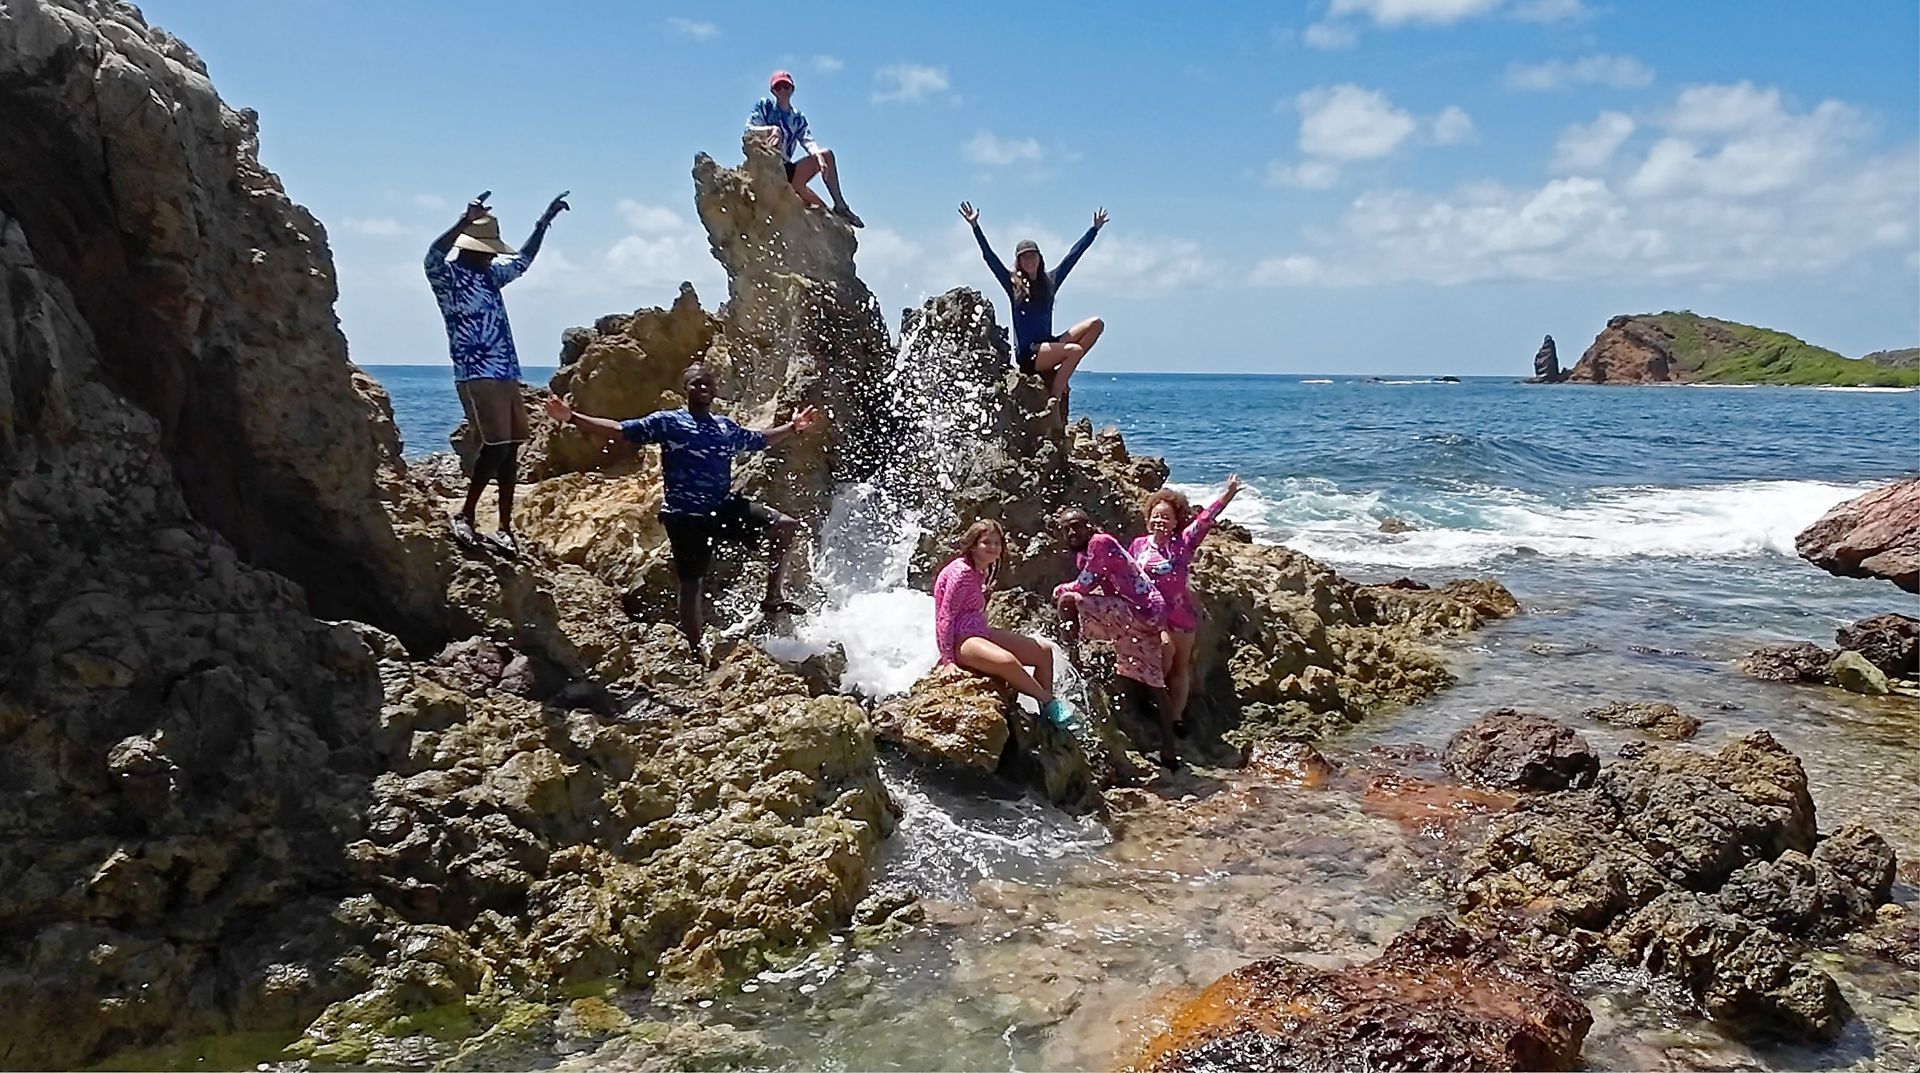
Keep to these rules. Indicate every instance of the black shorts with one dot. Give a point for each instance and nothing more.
(739, 520)
(1029, 351)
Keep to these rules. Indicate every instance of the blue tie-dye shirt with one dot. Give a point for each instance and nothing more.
(479, 339)
(696, 456)
(792, 124)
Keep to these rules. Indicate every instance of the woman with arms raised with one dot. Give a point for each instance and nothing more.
(1174, 533)
(960, 623)
(1031, 288)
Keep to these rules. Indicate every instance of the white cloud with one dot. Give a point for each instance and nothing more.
(1346, 122)
(430, 201)
(650, 219)
(988, 148)
(1584, 147)
(1452, 126)
(1724, 109)
(1331, 35)
(1618, 72)
(909, 82)
(693, 29)
(1306, 175)
(1740, 186)
(1402, 12)
(383, 227)
(827, 64)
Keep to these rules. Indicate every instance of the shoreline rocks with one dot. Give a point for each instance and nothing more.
(1873, 535)
(1512, 750)
(1439, 997)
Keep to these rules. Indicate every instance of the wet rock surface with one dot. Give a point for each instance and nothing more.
(1890, 642)
(1704, 868)
(952, 718)
(1875, 535)
(1439, 997)
(1514, 750)
(1659, 720)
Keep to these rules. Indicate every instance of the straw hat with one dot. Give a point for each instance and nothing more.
(483, 235)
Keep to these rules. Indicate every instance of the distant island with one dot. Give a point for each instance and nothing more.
(1686, 348)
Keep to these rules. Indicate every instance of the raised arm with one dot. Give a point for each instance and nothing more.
(437, 250)
(1202, 523)
(1125, 577)
(972, 216)
(1073, 255)
(504, 274)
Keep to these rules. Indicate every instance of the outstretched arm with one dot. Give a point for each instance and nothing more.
(779, 434)
(999, 269)
(1073, 255)
(604, 427)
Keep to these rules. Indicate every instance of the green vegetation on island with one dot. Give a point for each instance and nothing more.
(1709, 350)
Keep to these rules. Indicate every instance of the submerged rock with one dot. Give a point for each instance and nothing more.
(1439, 997)
(1798, 661)
(1875, 535)
(1514, 750)
(1657, 719)
(1852, 672)
(1705, 868)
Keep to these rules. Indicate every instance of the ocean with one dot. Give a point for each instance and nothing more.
(1647, 531)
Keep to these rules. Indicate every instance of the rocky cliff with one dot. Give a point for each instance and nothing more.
(1679, 348)
(1904, 358)
(1546, 363)
(1876, 534)
(280, 759)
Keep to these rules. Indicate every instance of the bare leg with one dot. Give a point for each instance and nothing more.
(803, 172)
(1060, 359)
(507, 475)
(1030, 653)
(779, 541)
(485, 465)
(982, 656)
(692, 614)
(1179, 672)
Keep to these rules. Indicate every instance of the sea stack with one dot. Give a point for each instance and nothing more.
(1546, 364)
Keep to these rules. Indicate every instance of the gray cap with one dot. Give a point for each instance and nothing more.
(1024, 245)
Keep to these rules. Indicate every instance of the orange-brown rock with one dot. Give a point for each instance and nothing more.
(1439, 997)
(1871, 535)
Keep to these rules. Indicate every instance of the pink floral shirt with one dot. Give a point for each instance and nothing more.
(959, 607)
(1168, 564)
(1105, 570)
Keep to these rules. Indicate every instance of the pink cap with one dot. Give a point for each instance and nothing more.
(779, 77)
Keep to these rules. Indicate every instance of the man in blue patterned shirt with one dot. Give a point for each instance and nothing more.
(486, 370)
(776, 122)
(697, 448)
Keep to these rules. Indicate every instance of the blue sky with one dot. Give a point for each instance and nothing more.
(1371, 186)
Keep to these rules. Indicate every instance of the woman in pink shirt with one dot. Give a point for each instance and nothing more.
(1174, 533)
(960, 622)
(1110, 599)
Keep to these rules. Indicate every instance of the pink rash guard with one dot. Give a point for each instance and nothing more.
(1167, 565)
(959, 607)
(1105, 570)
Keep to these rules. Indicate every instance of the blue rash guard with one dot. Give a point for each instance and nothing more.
(1033, 321)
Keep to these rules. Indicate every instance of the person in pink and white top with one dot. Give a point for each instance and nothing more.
(1165, 554)
(960, 623)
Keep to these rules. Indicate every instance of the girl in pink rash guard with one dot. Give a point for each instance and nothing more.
(960, 622)
(1166, 553)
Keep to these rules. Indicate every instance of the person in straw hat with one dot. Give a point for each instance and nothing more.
(486, 370)
(784, 129)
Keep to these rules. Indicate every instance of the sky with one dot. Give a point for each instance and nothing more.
(1336, 186)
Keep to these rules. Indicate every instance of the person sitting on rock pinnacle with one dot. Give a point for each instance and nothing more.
(1174, 533)
(697, 448)
(1113, 600)
(960, 623)
(486, 370)
(784, 129)
(1031, 289)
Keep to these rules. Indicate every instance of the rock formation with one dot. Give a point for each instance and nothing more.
(1546, 364)
(1703, 868)
(1658, 720)
(1511, 750)
(1437, 998)
(1874, 535)
(1904, 358)
(1662, 348)
(1878, 655)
